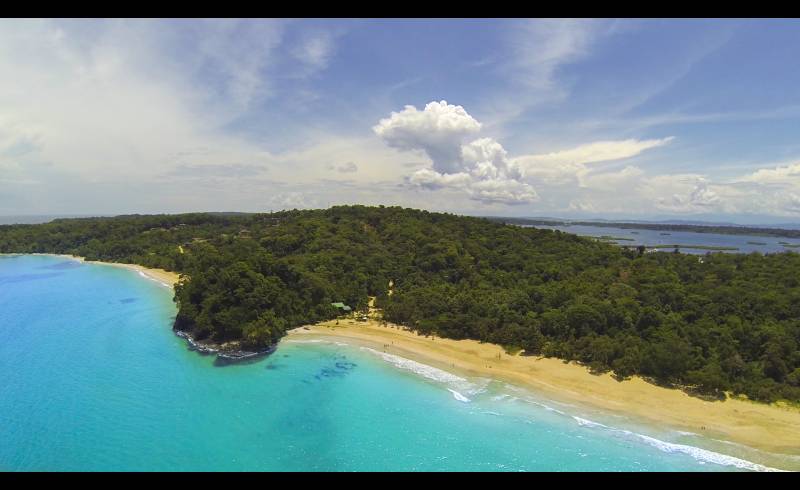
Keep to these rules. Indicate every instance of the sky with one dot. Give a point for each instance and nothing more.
(586, 118)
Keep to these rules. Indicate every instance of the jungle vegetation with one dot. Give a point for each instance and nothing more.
(710, 324)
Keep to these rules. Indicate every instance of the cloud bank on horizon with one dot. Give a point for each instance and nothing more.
(583, 118)
(482, 167)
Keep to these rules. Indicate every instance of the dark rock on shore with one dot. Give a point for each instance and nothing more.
(225, 354)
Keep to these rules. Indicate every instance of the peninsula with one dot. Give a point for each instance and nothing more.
(725, 325)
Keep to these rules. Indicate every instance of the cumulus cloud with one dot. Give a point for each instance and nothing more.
(431, 179)
(699, 198)
(438, 130)
(792, 203)
(581, 205)
(503, 191)
(291, 200)
(479, 167)
(782, 175)
(772, 190)
(483, 169)
(583, 179)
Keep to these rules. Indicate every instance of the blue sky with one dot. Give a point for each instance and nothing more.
(644, 119)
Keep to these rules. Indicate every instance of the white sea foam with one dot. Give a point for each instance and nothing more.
(430, 372)
(153, 279)
(527, 399)
(701, 455)
(589, 423)
(458, 384)
(458, 396)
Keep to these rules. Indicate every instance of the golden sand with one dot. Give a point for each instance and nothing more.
(163, 276)
(772, 428)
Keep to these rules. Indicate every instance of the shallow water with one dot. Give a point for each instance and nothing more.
(92, 378)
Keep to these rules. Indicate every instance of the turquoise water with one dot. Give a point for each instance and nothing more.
(92, 378)
(639, 236)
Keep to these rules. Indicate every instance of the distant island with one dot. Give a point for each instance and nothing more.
(713, 325)
(706, 228)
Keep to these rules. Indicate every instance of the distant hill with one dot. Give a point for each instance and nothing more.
(32, 219)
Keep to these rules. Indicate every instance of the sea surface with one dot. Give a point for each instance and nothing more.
(32, 219)
(93, 378)
(633, 237)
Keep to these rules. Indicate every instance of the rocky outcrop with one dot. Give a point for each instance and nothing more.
(226, 353)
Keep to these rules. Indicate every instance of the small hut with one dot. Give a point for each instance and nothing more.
(341, 307)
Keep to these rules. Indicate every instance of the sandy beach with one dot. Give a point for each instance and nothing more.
(167, 278)
(772, 428)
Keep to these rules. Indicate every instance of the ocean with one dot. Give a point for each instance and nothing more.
(92, 378)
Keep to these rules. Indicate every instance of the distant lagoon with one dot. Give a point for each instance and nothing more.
(633, 237)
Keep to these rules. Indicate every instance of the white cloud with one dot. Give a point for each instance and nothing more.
(486, 158)
(612, 182)
(291, 200)
(581, 206)
(771, 190)
(700, 198)
(431, 179)
(537, 49)
(503, 191)
(119, 104)
(438, 130)
(482, 168)
(571, 166)
(315, 51)
(541, 46)
(788, 175)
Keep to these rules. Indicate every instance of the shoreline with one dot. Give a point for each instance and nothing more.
(164, 277)
(227, 353)
(772, 428)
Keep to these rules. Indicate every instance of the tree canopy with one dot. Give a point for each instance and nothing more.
(730, 322)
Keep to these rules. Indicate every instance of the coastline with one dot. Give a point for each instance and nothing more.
(227, 353)
(164, 277)
(770, 428)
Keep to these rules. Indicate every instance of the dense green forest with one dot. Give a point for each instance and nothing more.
(710, 324)
(719, 229)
